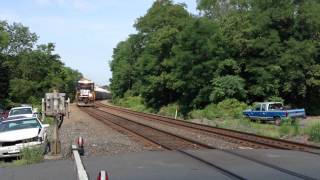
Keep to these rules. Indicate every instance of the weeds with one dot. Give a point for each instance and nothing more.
(31, 156)
(169, 110)
(289, 127)
(133, 102)
(48, 120)
(313, 131)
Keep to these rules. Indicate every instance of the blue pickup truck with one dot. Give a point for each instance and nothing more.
(272, 111)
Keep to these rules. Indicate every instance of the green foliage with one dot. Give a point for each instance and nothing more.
(313, 131)
(169, 110)
(134, 103)
(229, 108)
(289, 127)
(227, 87)
(27, 70)
(247, 50)
(30, 156)
(48, 120)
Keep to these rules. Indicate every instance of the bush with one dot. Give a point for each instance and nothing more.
(229, 108)
(313, 131)
(133, 102)
(169, 110)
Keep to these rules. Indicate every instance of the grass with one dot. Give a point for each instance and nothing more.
(313, 130)
(246, 125)
(169, 110)
(31, 155)
(48, 120)
(228, 114)
(133, 102)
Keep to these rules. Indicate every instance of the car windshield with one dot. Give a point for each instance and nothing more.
(20, 111)
(19, 124)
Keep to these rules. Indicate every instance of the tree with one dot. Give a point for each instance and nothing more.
(27, 70)
(250, 50)
(228, 87)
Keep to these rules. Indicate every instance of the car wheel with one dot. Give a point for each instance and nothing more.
(277, 121)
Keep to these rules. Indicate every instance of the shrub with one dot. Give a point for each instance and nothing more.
(169, 110)
(229, 108)
(313, 131)
(133, 102)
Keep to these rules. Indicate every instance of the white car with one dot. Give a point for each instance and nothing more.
(20, 132)
(22, 111)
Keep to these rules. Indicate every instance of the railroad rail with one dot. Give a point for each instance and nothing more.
(162, 138)
(175, 142)
(251, 140)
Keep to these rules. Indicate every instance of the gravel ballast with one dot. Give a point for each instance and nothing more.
(208, 139)
(99, 139)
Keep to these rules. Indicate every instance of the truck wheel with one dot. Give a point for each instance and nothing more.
(277, 121)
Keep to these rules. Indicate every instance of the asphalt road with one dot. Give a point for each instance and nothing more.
(173, 165)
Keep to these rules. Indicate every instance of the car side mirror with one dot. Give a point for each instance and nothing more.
(45, 125)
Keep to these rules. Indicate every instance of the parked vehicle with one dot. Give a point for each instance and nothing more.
(22, 111)
(273, 111)
(18, 133)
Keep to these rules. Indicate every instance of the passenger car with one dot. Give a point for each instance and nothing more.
(17, 133)
(21, 111)
(272, 111)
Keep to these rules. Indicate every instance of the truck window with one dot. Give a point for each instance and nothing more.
(264, 107)
(257, 108)
(276, 106)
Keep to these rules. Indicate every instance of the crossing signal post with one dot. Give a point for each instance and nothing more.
(55, 105)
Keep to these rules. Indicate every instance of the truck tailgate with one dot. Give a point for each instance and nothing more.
(296, 113)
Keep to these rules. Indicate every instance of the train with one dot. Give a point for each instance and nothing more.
(87, 93)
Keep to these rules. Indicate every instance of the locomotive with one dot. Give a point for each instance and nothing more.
(85, 95)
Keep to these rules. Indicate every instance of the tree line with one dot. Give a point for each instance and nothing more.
(29, 70)
(249, 50)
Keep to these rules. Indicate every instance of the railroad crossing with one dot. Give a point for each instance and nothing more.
(171, 149)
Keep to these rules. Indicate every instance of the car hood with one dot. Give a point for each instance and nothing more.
(17, 135)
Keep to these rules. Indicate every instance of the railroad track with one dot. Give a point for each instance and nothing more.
(172, 141)
(246, 139)
(164, 139)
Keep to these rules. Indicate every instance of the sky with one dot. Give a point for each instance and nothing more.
(84, 31)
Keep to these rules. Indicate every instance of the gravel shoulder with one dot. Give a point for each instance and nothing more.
(99, 139)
